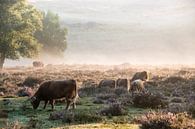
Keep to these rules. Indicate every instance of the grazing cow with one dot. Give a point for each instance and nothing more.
(137, 86)
(51, 90)
(38, 64)
(122, 83)
(107, 83)
(140, 75)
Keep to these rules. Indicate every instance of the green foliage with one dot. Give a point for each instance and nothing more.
(53, 36)
(18, 23)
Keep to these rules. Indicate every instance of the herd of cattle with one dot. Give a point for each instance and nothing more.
(49, 91)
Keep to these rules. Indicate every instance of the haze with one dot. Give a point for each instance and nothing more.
(131, 31)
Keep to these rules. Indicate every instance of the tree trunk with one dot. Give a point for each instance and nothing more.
(2, 60)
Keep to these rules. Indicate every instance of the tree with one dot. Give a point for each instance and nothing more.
(53, 36)
(18, 23)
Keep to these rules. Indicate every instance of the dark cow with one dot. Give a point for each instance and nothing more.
(140, 75)
(107, 83)
(122, 83)
(51, 90)
(38, 64)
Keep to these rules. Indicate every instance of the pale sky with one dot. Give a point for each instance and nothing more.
(134, 31)
(159, 12)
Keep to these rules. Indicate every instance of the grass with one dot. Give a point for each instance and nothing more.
(101, 126)
(17, 113)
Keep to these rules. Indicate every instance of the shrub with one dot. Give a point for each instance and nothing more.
(114, 110)
(120, 91)
(174, 79)
(177, 100)
(76, 117)
(87, 91)
(162, 120)
(106, 96)
(98, 101)
(32, 81)
(147, 100)
(15, 125)
(104, 90)
(126, 100)
(192, 110)
(33, 123)
(56, 115)
(121, 120)
(177, 108)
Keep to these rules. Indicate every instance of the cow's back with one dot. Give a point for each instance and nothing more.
(57, 89)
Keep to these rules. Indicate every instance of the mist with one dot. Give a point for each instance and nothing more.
(123, 31)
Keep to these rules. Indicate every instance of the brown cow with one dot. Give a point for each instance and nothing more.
(122, 83)
(140, 75)
(51, 90)
(107, 83)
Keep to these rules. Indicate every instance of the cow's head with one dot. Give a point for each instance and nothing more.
(35, 102)
(144, 76)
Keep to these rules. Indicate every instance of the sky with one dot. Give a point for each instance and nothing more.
(133, 31)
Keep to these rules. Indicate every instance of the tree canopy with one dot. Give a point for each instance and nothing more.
(52, 36)
(18, 23)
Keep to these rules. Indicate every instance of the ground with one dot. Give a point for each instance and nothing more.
(20, 110)
(176, 84)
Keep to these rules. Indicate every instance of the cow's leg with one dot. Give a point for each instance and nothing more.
(73, 105)
(68, 104)
(132, 93)
(52, 104)
(46, 101)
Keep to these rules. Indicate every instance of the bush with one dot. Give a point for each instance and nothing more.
(56, 115)
(120, 91)
(176, 108)
(160, 120)
(106, 96)
(147, 100)
(177, 100)
(126, 100)
(76, 117)
(31, 81)
(87, 91)
(98, 101)
(175, 79)
(192, 110)
(15, 125)
(114, 110)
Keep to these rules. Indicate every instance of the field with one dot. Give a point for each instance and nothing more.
(172, 90)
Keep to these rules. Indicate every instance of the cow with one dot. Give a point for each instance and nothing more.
(122, 83)
(107, 83)
(140, 75)
(38, 64)
(137, 86)
(51, 90)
